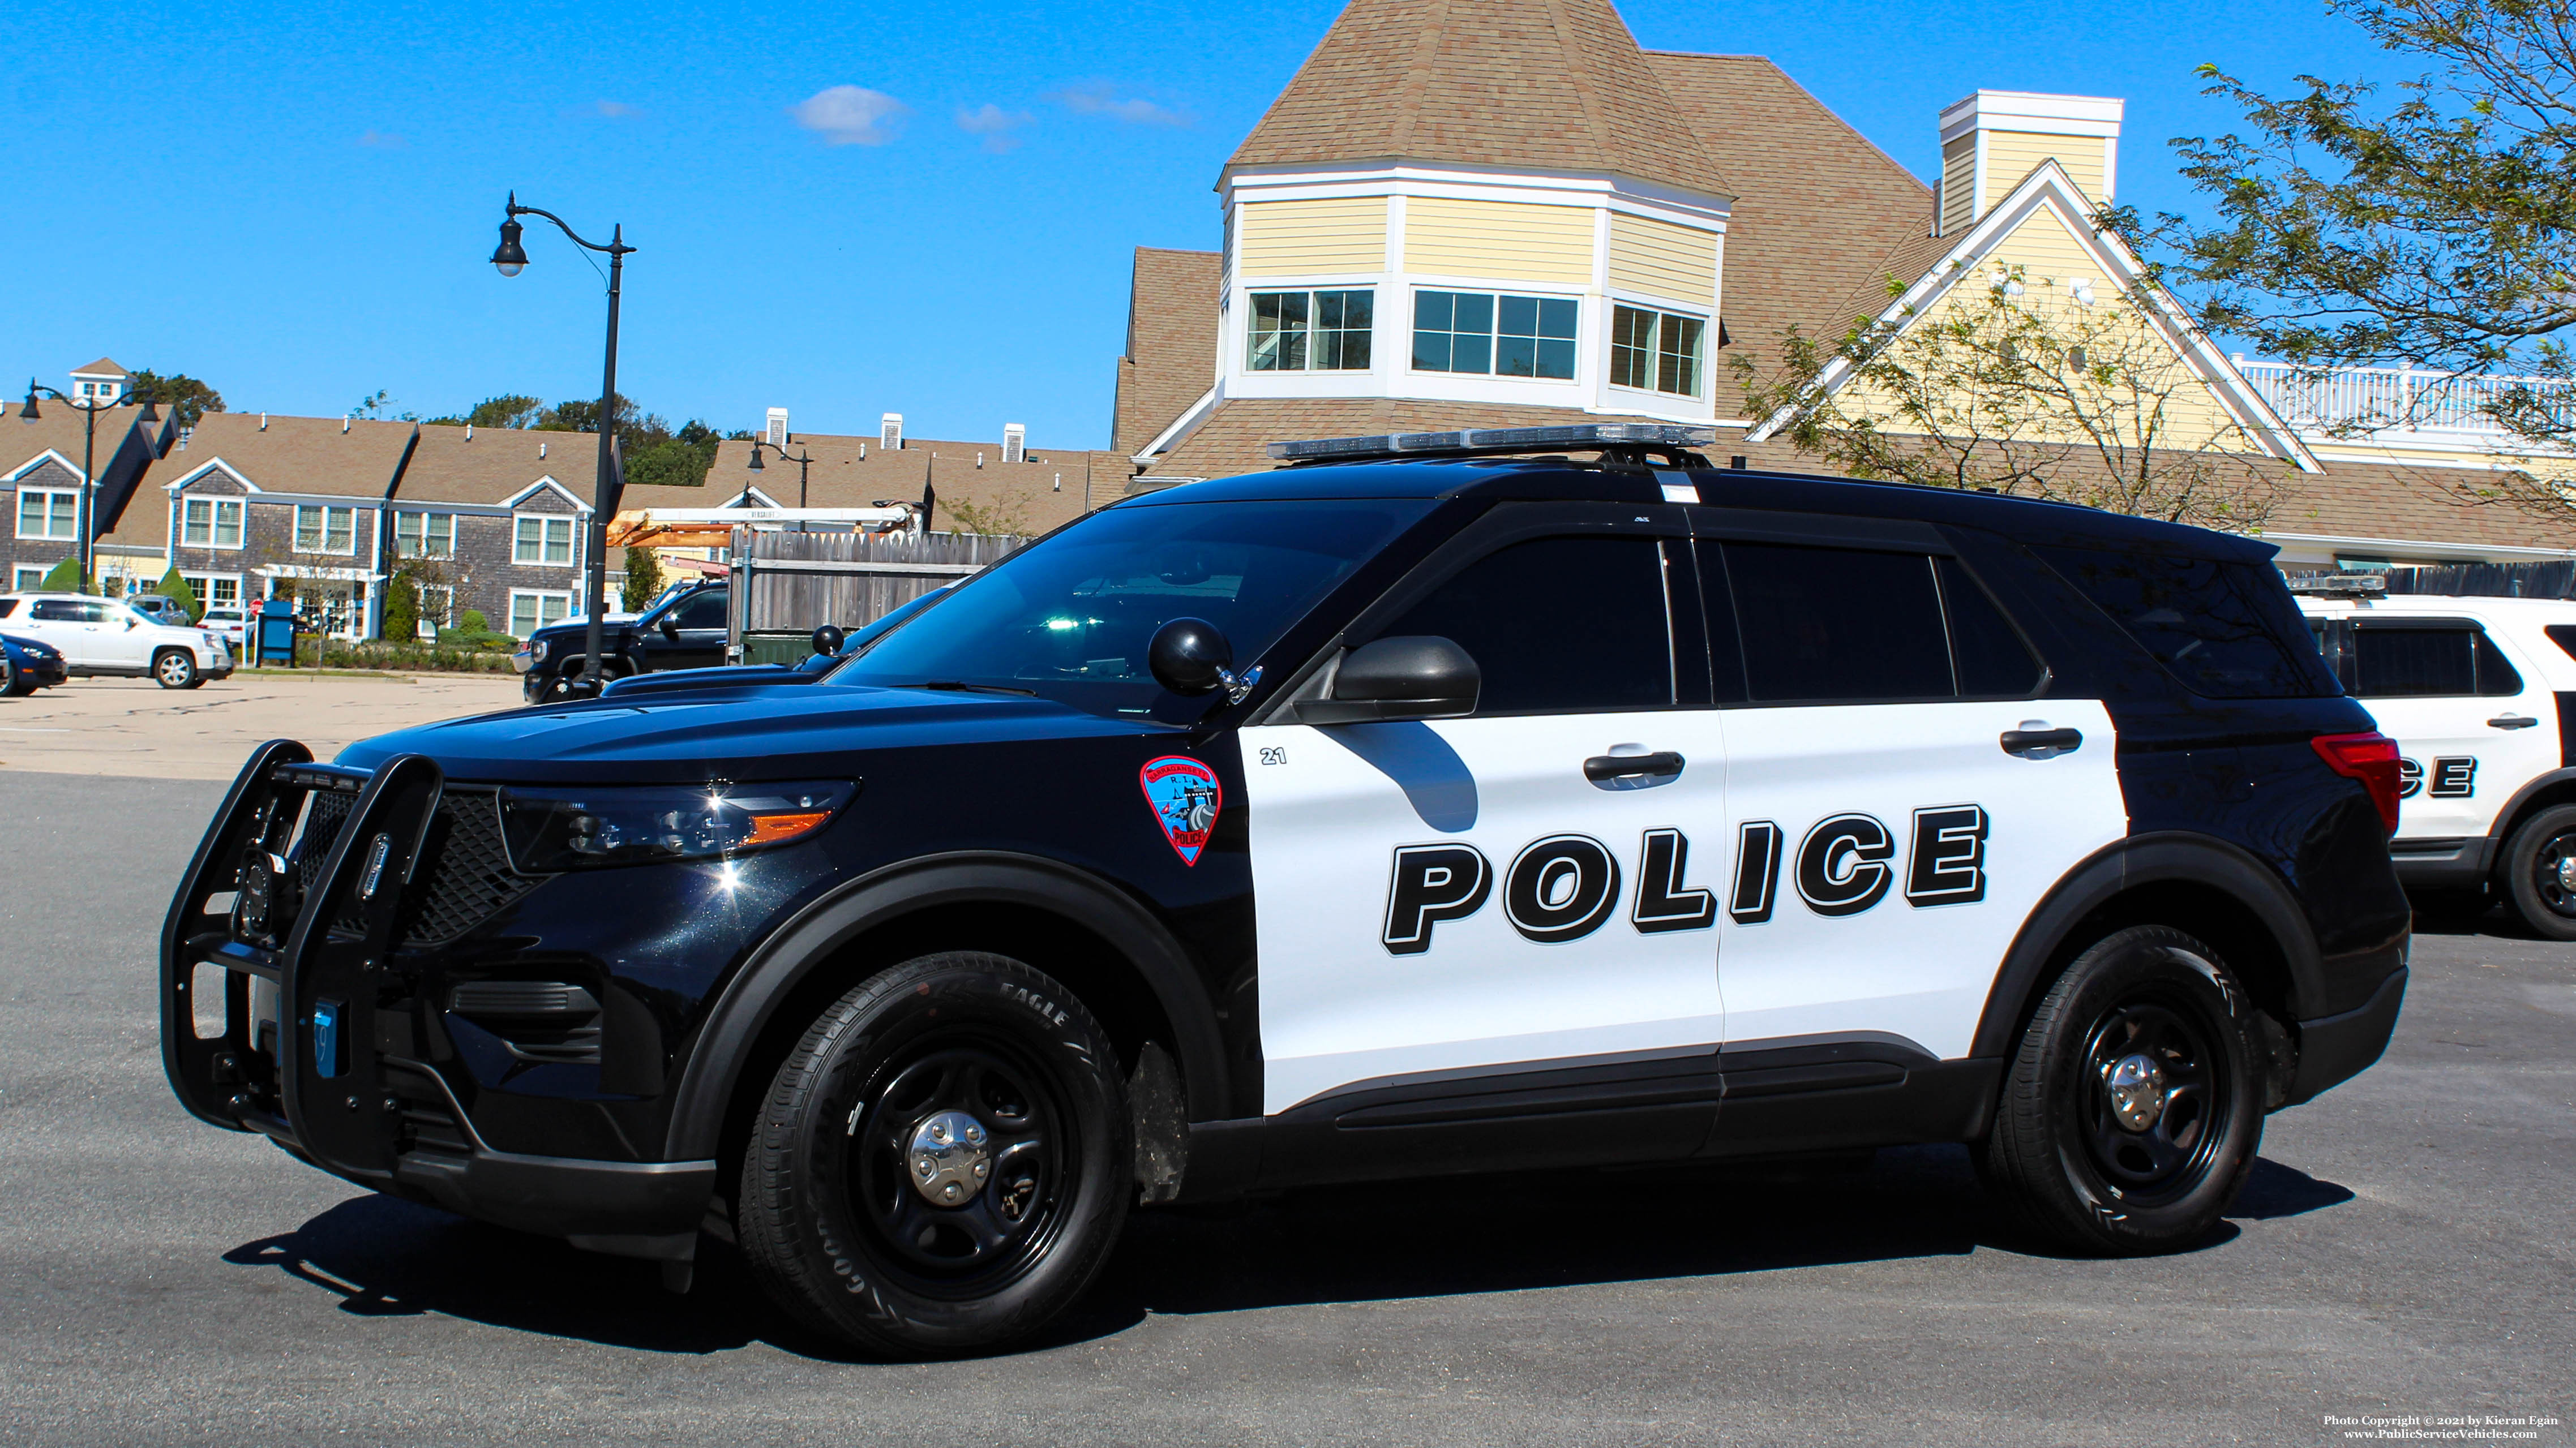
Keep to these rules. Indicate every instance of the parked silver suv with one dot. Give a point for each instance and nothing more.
(106, 636)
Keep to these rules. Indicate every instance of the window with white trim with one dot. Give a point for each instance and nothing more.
(23, 577)
(210, 523)
(541, 539)
(43, 513)
(325, 530)
(1505, 336)
(424, 535)
(215, 590)
(531, 611)
(1310, 331)
(1656, 351)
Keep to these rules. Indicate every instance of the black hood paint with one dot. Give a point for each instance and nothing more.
(772, 731)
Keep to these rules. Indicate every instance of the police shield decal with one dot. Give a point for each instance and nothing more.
(1186, 798)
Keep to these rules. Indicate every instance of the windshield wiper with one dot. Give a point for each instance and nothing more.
(961, 686)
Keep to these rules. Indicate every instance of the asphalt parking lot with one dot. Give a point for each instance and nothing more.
(135, 727)
(2407, 1246)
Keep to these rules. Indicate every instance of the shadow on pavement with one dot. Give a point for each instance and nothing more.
(384, 1257)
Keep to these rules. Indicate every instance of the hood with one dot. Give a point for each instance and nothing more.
(772, 731)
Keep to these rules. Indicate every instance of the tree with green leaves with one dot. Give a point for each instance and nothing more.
(2432, 224)
(186, 397)
(2010, 387)
(175, 587)
(643, 578)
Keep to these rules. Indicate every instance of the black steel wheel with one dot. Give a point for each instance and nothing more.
(2134, 1108)
(2540, 872)
(942, 1163)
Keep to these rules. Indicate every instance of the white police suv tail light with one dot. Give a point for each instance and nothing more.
(554, 829)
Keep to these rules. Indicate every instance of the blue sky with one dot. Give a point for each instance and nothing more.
(296, 202)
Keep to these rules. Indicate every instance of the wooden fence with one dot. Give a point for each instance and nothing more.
(793, 583)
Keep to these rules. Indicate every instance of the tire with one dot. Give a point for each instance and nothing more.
(2061, 1154)
(13, 685)
(830, 1219)
(2540, 872)
(175, 669)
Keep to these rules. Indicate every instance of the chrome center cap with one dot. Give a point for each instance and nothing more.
(949, 1159)
(2137, 1086)
(2567, 873)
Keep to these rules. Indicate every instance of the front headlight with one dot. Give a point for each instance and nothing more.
(555, 829)
(536, 651)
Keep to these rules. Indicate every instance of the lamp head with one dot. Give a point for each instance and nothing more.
(28, 413)
(756, 464)
(510, 258)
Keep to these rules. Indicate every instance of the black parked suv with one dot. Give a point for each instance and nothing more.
(683, 629)
(1430, 808)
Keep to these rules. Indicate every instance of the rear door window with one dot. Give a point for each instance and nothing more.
(1558, 625)
(700, 610)
(2442, 661)
(1847, 624)
(2222, 629)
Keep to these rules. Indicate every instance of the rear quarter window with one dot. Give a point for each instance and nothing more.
(2225, 630)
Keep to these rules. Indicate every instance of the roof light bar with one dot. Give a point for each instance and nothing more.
(1496, 439)
(2348, 585)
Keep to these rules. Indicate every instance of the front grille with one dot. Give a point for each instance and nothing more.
(470, 879)
(467, 879)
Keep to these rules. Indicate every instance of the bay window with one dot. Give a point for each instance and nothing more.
(1505, 336)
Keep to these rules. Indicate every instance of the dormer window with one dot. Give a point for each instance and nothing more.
(1655, 351)
(1311, 331)
(1505, 336)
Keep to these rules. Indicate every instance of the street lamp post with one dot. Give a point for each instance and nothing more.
(803, 461)
(510, 258)
(82, 516)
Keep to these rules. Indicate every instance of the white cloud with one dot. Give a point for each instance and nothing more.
(994, 124)
(1100, 98)
(849, 115)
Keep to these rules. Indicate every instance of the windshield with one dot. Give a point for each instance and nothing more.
(1070, 618)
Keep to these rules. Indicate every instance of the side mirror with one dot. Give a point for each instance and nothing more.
(671, 627)
(1418, 677)
(1190, 656)
(827, 639)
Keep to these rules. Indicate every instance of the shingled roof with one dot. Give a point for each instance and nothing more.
(1558, 85)
(1171, 342)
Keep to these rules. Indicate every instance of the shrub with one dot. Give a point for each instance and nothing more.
(643, 578)
(473, 622)
(173, 586)
(402, 608)
(65, 577)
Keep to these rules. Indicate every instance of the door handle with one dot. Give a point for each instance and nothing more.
(1641, 770)
(2035, 740)
(2511, 721)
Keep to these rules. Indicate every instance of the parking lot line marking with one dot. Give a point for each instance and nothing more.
(23, 729)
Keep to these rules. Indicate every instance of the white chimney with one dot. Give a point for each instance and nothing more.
(890, 431)
(469, 432)
(1993, 140)
(774, 431)
(263, 422)
(1015, 442)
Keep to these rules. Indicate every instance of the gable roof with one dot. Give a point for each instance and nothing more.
(1823, 216)
(103, 367)
(1171, 342)
(497, 465)
(292, 454)
(2048, 188)
(1558, 85)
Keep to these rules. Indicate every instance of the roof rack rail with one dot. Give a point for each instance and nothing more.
(1671, 439)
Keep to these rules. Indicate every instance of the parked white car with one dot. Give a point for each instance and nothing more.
(2480, 695)
(103, 636)
(230, 623)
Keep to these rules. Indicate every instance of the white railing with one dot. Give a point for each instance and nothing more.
(2381, 401)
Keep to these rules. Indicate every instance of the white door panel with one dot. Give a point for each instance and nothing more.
(1909, 850)
(1383, 953)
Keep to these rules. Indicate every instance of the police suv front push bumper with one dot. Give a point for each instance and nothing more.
(319, 1046)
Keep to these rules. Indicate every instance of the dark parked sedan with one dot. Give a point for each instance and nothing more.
(26, 666)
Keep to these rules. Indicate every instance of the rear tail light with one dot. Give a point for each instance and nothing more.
(2370, 758)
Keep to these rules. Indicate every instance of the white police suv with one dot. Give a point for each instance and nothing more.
(2476, 692)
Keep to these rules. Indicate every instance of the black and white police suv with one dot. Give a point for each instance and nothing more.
(2480, 694)
(1430, 807)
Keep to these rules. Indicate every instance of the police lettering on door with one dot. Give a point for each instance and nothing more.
(2453, 776)
(1564, 887)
